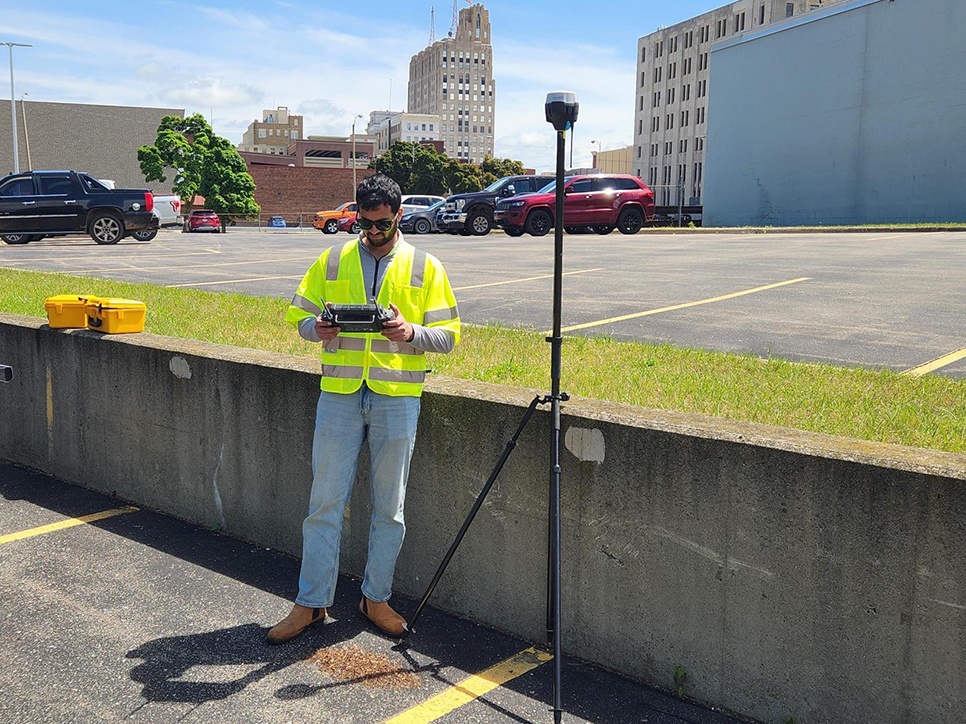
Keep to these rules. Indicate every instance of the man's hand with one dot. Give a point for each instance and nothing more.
(325, 329)
(398, 329)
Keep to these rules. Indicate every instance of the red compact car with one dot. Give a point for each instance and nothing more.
(601, 202)
(349, 224)
(203, 220)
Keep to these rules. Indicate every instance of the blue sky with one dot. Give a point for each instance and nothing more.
(330, 61)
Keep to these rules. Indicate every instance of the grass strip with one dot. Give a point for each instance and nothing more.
(878, 405)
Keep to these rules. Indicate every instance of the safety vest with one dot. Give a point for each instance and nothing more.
(414, 281)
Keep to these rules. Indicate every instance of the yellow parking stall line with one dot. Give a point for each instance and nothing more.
(939, 362)
(685, 305)
(472, 688)
(69, 523)
(232, 281)
(525, 279)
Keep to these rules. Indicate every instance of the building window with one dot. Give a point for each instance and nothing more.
(643, 55)
(761, 15)
(789, 9)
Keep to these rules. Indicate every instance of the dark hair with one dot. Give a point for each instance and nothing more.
(378, 190)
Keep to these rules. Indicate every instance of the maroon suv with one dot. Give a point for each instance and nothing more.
(602, 202)
(203, 220)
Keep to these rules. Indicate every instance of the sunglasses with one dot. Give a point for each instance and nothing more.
(381, 224)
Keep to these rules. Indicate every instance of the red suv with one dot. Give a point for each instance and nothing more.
(203, 220)
(600, 202)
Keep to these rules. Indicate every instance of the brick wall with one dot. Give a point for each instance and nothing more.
(291, 190)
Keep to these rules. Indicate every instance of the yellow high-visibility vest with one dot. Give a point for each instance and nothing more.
(414, 281)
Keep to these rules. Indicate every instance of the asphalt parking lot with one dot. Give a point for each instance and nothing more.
(114, 613)
(886, 300)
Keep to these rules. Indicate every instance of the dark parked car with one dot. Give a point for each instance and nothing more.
(423, 221)
(600, 202)
(472, 213)
(36, 204)
(203, 220)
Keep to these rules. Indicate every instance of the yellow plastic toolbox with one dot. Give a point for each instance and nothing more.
(116, 316)
(68, 311)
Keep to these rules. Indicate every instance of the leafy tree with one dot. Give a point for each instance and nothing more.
(463, 177)
(494, 168)
(420, 169)
(203, 164)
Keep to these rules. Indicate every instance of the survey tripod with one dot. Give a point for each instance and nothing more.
(561, 110)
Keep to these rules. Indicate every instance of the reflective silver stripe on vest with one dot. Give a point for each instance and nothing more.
(332, 265)
(352, 344)
(384, 345)
(396, 375)
(303, 303)
(419, 265)
(351, 373)
(440, 315)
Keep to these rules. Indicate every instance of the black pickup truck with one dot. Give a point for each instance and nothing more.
(36, 204)
(472, 213)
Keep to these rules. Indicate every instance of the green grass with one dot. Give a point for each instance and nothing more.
(927, 412)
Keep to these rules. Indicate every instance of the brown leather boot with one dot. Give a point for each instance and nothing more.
(384, 618)
(295, 624)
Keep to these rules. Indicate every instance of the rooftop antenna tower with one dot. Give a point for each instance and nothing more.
(432, 24)
(456, 17)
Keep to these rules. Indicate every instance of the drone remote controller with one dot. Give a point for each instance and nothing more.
(357, 317)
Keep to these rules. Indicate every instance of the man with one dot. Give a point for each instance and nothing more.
(371, 385)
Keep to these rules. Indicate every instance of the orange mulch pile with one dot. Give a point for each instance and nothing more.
(354, 664)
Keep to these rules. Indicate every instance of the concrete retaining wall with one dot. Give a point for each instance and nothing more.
(790, 574)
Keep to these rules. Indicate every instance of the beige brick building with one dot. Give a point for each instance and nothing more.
(274, 133)
(671, 94)
(452, 79)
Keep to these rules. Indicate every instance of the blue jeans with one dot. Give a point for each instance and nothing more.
(342, 424)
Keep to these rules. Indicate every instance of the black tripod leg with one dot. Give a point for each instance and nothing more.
(474, 510)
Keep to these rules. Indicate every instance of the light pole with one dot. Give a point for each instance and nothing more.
(354, 154)
(26, 138)
(597, 165)
(13, 105)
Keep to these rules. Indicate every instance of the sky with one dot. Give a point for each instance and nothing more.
(329, 62)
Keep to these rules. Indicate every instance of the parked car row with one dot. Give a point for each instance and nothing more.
(520, 204)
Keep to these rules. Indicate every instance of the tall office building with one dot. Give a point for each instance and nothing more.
(671, 103)
(453, 79)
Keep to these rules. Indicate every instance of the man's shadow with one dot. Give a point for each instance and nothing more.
(166, 670)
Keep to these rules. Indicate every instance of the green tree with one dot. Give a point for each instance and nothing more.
(418, 169)
(463, 177)
(203, 164)
(494, 168)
